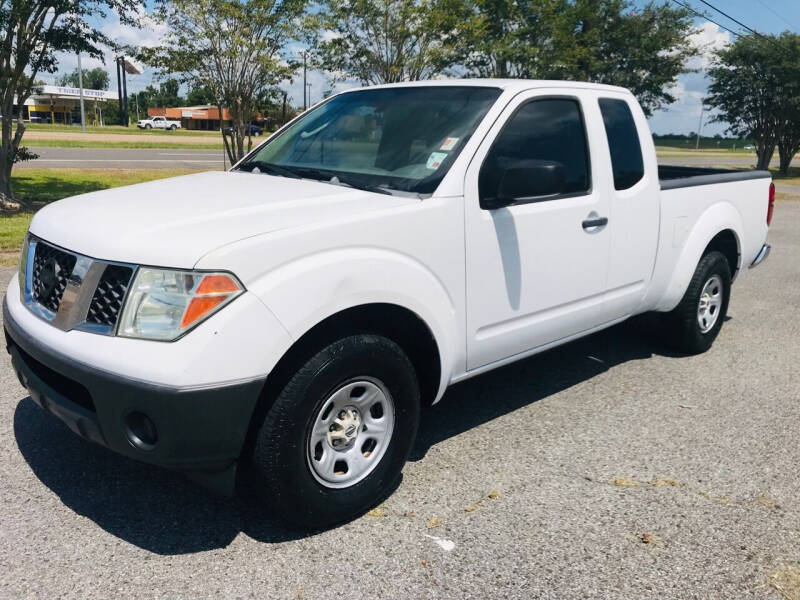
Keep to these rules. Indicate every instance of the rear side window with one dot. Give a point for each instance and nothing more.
(623, 142)
(542, 130)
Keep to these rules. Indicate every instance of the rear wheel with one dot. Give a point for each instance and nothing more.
(335, 441)
(695, 323)
(173, 127)
(148, 126)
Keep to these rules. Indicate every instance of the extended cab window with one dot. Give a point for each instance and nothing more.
(623, 143)
(546, 134)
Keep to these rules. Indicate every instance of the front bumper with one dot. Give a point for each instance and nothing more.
(200, 430)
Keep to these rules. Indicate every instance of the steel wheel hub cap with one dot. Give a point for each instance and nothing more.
(710, 304)
(350, 433)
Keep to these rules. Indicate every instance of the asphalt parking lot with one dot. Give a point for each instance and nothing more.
(608, 468)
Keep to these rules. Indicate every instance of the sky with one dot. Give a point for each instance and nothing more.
(766, 16)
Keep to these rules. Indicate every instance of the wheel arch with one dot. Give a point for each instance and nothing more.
(718, 228)
(727, 242)
(403, 326)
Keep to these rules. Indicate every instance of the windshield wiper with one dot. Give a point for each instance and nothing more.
(336, 178)
(270, 169)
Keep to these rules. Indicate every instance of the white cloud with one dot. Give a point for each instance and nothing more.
(708, 39)
(149, 35)
(683, 115)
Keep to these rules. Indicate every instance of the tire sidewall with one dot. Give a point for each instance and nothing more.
(712, 264)
(281, 454)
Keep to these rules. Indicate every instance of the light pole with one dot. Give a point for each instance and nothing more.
(80, 87)
(699, 127)
(305, 69)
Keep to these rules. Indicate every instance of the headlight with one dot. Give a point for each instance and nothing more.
(164, 304)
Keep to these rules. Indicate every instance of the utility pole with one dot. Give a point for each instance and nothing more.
(699, 127)
(283, 117)
(125, 92)
(309, 94)
(305, 70)
(80, 87)
(119, 90)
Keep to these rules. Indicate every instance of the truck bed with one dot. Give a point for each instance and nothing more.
(672, 177)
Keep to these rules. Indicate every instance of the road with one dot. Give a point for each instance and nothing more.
(609, 468)
(124, 158)
(135, 158)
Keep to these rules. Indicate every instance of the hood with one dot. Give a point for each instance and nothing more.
(174, 222)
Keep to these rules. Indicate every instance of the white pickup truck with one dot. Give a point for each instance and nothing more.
(158, 123)
(294, 314)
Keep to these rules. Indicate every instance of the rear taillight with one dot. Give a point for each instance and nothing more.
(770, 203)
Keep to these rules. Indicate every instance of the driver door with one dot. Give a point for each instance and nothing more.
(536, 269)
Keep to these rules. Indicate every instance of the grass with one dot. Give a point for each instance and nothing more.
(132, 130)
(47, 185)
(675, 151)
(41, 186)
(34, 143)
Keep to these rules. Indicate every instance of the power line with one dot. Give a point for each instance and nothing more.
(776, 13)
(739, 23)
(704, 16)
(771, 40)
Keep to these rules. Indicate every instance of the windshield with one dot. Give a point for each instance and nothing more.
(402, 139)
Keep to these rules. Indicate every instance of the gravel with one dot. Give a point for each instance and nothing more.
(609, 468)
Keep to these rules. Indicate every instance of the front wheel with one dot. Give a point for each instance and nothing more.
(694, 324)
(335, 441)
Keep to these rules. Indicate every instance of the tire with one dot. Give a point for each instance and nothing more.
(148, 126)
(295, 445)
(173, 127)
(710, 284)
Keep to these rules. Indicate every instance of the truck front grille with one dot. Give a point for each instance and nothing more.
(108, 297)
(51, 270)
(97, 288)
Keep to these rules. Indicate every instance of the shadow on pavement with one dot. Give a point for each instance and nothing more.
(155, 509)
(501, 391)
(160, 511)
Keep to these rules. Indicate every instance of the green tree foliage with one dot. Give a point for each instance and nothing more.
(231, 47)
(31, 32)
(756, 89)
(385, 41)
(603, 41)
(93, 79)
(199, 96)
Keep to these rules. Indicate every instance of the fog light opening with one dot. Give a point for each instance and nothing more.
(141, 431)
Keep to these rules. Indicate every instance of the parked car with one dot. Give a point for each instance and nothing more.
(251, 129)
(158, 123)
(289, 319)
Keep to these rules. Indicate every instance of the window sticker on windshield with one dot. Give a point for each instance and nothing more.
(449, 143)
(435, 160)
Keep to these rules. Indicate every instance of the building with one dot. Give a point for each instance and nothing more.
(60, 104)
(202, 118)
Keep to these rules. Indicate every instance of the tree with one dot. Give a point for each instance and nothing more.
(603, 41)
(755, 86)
(168, 96)
(31, 32)
(231, 47)
(199, 96)
(94, 79)
(385, 41)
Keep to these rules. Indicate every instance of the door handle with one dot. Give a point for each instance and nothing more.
(595, 222)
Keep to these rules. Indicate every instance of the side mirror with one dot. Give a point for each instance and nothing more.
(524, 180)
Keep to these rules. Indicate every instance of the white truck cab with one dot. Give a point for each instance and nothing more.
(158, 123)
(294, 313)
